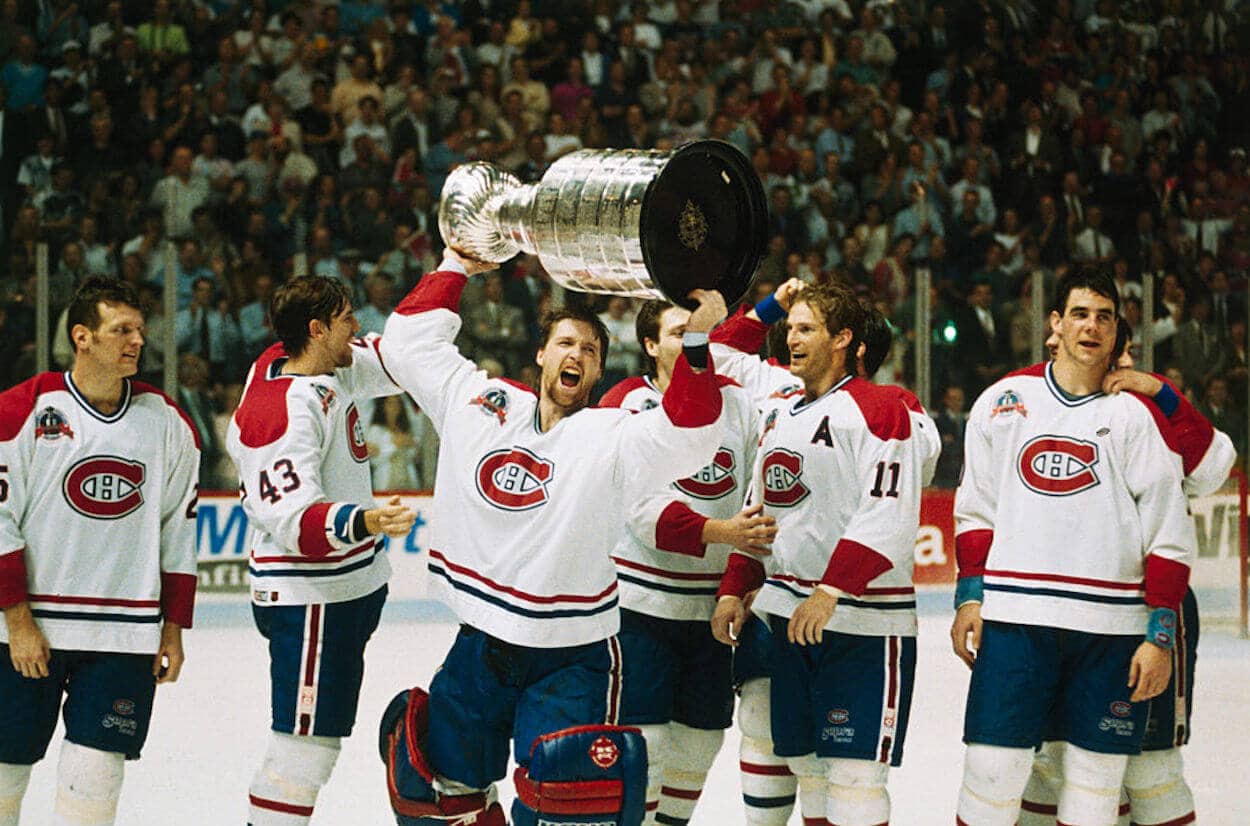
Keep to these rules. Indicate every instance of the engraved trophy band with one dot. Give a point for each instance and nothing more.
(631, 222)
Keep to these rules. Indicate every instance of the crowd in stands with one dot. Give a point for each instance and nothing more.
(245, 143)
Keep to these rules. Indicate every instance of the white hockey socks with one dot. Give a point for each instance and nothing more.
(284, 790)
(13, 782)
(656, 736)
(690, 755)
(768, 785)
(857, 794)
(994, 778)
(812, 775)
(88, 784)
(1090, 794)
(1040, 806)
(1157, 791)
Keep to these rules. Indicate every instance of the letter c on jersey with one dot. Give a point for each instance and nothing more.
(356, 435)
(714, 480)
(514, 479)
(104, 487)
(782, 470)
(1057, 465)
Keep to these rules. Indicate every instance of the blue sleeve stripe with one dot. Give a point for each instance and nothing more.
(343, 523)
(769, 310)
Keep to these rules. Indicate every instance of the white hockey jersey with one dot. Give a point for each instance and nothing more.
(299, 446)
(663, 566)
(525, 520)
(97, 514)
(1071, 509)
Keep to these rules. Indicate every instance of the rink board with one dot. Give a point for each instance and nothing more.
(223, 549)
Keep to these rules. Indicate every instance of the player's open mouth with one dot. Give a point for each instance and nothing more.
(570, 378)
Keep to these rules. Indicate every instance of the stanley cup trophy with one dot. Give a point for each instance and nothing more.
(640, 223)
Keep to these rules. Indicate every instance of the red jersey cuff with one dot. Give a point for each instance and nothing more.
(178, 598)
(435, 291)
(692, 399)
(312, 531)
(13, 578)
(740, 332)
(1166, 582)
(972, 549)
(742, 575)
(680, 530)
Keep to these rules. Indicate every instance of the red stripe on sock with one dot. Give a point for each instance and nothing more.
(1038, 808)
(277, 806)
(683, 794)
(760, 768)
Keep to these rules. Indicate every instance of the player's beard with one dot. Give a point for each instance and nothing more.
(568, 399)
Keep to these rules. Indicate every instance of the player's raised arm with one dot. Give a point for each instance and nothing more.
(738, 339)
(418, 346)
(685, 437)
(367, 377)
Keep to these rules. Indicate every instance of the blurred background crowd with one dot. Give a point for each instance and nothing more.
(245, 143)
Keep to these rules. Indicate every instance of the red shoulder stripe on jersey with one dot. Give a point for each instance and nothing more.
(972, 549)
(692, 399)
(908, 399)
(178, 597)
(140, 388)
(312, 531)
(615, 396)
(853, 565)
(436, 291)
(519, 385)
(881, 408)
(262, 415)
(13, 578)
(725, 381)
(740, 332)
(1037, 370)
(680, 531)
(742, 574)
(16, 403)
(1166, 582)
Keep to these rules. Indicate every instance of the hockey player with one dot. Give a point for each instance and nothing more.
(317, 572)
(677, 678)
(1155, 778)
(97, 558)
(541, 483)
(839, 468)
(1046, 452)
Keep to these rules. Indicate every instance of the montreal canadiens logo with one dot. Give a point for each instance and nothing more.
(838, 716)
(104, 487)
(514, 479)
(124, 707)
(1121, 709)
(356, 435)
(782, 470)
(1057, 465)
(714, 480)
(604, 753)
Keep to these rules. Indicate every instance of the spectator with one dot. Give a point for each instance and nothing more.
(495, 328)
(393, 445)
(982, 343)
(1198, 348)
(209, 330)
(1219, 407)
(161, 37)
(624, 351)
(179, 193)
(951, 420)
(1092, 245)
(195, 398)
(367, 123)
(24, 78)
(347, 94)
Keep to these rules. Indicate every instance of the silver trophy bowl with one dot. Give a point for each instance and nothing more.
(640, 223)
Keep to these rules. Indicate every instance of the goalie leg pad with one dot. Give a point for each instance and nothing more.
(994, 778)
(1091, 786)
(417, 797)
(856, 794)
(1157, 791)
(584, 774)
(88, 784)
(13, 782)
(285, 788)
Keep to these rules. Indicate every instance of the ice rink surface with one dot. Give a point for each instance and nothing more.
(210, 728)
